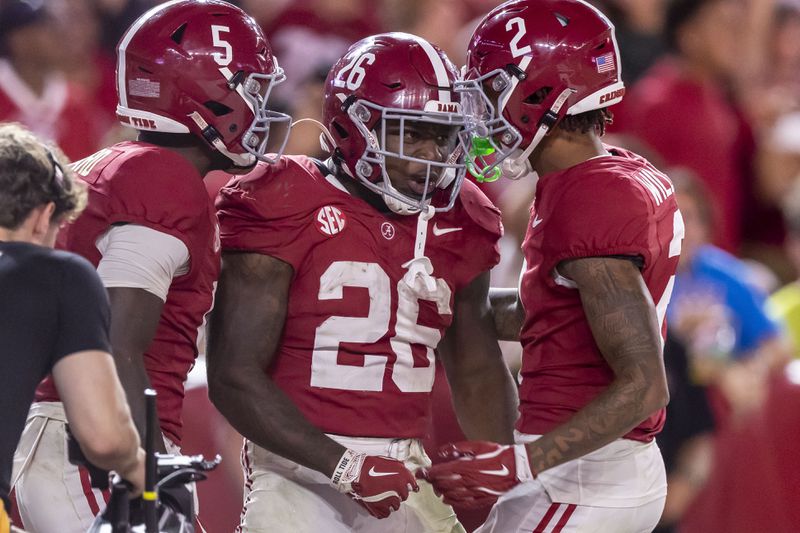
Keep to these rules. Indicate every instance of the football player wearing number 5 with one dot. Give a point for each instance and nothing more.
(601, 251)
(193, 78)
(341, 280)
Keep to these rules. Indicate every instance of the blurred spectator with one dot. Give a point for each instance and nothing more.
(32, 89)
(85, 61)
(309, 34)
(116, 16)
(719, 314)
(753, 482)
(686, 441)
(639, 25)
(304, 137)
(785, 303)
(683, 109)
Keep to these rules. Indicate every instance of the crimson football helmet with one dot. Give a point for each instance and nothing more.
(201, 67)
(387, 80)
(563, 51)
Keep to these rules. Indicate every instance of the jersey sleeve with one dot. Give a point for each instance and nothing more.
(161, 190)
(83, 310)
(483, 253)
(601, 215)
(267, 212)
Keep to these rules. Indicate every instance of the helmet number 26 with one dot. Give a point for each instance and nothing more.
(357, 72)
(516, 51)
(223, 59)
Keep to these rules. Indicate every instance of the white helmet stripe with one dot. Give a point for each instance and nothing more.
(438, 67)
(227, 74)
(613, 36)
(123, 46)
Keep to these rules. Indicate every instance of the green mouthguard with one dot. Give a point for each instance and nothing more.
(481, 147)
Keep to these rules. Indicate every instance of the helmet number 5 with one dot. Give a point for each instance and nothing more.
(519, 22)
(223, 59)
(357, 72)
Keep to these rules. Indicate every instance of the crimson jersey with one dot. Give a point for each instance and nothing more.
(356, 354)
(616, 205)
(144, 184)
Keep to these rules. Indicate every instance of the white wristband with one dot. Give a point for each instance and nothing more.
(347, 470)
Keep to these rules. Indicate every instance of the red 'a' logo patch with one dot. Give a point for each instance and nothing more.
(330, 220)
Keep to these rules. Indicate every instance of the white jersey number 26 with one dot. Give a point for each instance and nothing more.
(326, 372)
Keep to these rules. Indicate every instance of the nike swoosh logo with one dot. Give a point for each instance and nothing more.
(373, 473)
(501, 472)
(443, 231)
(536, 222)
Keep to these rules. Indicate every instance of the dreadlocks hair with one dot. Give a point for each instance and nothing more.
(33, 174)
(596, 119)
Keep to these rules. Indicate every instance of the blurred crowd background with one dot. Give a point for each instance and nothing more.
(713, 99)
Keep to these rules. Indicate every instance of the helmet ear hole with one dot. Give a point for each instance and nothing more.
(218, 108)
(538, 96)
(340, 131)
(177, 35)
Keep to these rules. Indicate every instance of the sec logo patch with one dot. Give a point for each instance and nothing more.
(330, 220)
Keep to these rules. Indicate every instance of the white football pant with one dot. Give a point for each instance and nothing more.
(280, 495)
(620, 488)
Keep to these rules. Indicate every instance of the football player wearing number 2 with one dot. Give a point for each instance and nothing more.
(341, 280)
(601, 250)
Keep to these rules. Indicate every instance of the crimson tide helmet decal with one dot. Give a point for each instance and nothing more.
(201, 67)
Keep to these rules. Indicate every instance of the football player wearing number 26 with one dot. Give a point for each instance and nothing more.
(601, 251)
(341, 281)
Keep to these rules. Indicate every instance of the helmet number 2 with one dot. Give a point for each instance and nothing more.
(516, 51)
(223, 59)
(357, 72)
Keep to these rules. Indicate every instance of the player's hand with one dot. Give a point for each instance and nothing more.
(476, 473)
(379, 484)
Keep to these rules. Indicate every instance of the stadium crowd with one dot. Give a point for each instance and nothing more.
(712, 100)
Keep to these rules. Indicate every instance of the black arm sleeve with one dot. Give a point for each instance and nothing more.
(84, 315)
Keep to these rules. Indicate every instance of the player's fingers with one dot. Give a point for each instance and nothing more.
(447, 481)
(442, 470)
(469, 498)
(390, 505)
(403, 491)
(450, 452)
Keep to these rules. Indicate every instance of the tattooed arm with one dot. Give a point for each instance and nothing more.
(507, 312)
(244, 336)
(623, 321)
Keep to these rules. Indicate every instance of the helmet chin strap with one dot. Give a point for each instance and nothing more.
(516, 167)
(211, 135)
(419, 272)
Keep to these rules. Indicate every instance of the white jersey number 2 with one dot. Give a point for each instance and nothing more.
(327, 372)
